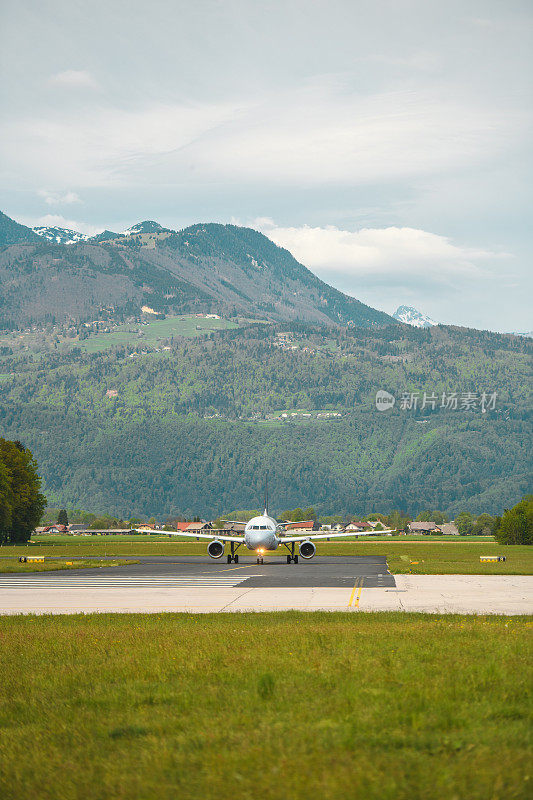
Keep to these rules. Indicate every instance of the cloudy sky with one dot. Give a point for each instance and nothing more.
(386, 143)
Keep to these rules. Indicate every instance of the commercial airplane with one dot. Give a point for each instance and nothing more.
(264, 534)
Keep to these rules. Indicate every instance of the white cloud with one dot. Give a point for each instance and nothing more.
(73, 79)
(103, 147)
(56, 198)
(319, 134)
(400, 254)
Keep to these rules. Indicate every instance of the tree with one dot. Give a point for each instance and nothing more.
(516, 526)
(485, 525)
(464, 522)
(21, 502)
(6, 502)
(62, 518)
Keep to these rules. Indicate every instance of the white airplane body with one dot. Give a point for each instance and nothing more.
(262, 534)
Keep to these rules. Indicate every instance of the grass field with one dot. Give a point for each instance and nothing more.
(386, 706)
(434, 557)
(154, 332)
(12, 565)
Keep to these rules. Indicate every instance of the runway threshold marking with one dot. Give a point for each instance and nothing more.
(354, 598)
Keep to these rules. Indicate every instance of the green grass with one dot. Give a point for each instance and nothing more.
(435, 557)
(12, 565)
(154, 332)
(276, 706)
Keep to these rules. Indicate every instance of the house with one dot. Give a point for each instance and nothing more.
(57, 528)
(182, 526)
(353, 528)
(422, 527)
(192, 527)
(235, 527)
(200, 527)
(449, 529)
(149, 527)
(76, 528)
(303, 525)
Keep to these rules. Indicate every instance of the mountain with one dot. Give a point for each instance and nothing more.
(189, 431)
(222, 269)
(12, 232)
(103, 237)
(60, 235)
(411, 316)
(148, 226)
(527, 334)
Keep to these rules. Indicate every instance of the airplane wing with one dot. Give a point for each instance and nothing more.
(325, 535)
(192, 535)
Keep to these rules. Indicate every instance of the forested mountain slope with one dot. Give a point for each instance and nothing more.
(209, 268)
(192, 429)
(12, 232)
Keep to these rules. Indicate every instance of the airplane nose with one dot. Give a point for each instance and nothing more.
(253, 540)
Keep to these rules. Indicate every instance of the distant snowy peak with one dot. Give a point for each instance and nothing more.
(148, 226)
(411, 316)
(60, 235)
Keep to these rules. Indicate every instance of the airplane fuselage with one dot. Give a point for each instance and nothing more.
(260, 533)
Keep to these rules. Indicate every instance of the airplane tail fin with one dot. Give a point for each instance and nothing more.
(266, 494)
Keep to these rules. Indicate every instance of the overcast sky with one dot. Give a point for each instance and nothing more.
(386, 143)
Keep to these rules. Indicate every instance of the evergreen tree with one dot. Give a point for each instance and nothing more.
(62, 518)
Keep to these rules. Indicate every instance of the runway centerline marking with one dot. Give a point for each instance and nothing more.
(358, 587)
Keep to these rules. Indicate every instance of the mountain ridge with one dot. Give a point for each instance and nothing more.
(204, 267)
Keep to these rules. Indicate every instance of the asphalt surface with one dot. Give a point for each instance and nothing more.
(199, 585)
(331, 571)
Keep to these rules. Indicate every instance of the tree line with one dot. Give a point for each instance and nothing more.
(21, 501)
(515, 526)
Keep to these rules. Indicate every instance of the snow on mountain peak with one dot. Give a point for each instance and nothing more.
(411, 316)
(148, 226)
(60, 235)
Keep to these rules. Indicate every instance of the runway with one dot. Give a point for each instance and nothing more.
(193, 584)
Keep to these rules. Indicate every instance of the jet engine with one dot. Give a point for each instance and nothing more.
(215, 549)
(307, 549)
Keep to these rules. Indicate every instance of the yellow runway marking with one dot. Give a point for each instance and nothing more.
(354, 599)
(245, 566)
